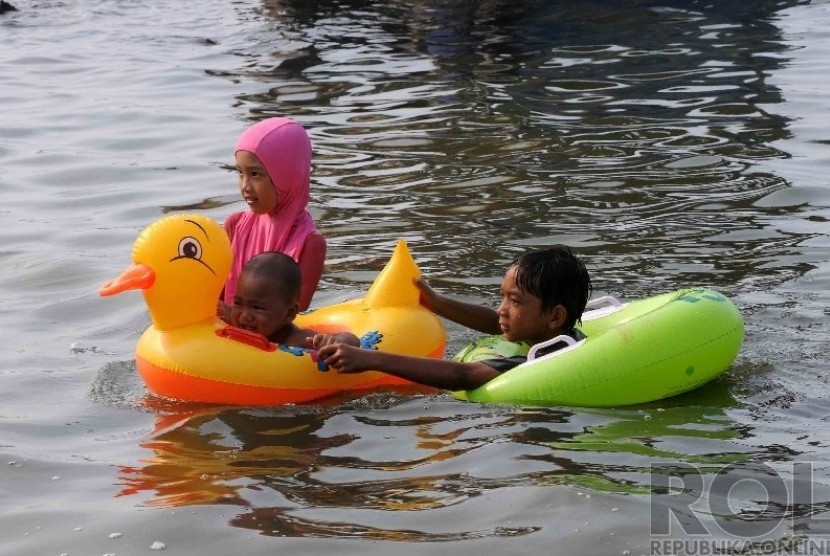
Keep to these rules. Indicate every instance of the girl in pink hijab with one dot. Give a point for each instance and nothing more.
(273, 158)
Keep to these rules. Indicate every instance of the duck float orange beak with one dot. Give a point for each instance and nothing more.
(181, 262)
(135, 277)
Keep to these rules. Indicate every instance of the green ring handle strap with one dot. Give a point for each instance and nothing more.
(563, 338)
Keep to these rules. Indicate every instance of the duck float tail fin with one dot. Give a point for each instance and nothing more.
(393, 287)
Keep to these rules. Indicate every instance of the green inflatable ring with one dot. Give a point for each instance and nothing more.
(635, 352)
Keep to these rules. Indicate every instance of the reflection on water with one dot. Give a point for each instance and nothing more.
(328, 471)
(209, 456)
(693, 428)
(278, 465)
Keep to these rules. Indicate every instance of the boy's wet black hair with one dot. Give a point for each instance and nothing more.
(281, 269)
(557, 277)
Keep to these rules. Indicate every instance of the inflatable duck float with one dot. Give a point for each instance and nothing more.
(181, 262)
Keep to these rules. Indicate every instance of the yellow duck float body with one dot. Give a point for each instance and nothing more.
(181, 263)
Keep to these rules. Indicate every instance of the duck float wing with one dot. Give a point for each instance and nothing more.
(390, 309)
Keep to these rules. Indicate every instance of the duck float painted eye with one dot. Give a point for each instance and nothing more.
(188, 354)
(189, 248)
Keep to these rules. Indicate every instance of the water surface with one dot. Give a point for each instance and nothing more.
(670, 143)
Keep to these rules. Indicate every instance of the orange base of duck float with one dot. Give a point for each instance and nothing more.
(181, 263)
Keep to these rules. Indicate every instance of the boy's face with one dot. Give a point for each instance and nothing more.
(254, 183)
(520, 314)
(259, 306)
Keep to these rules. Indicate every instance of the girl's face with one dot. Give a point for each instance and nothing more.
(255, 184)
(520, 314)
(258, 306)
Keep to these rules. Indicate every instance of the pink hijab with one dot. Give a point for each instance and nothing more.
(283, 147)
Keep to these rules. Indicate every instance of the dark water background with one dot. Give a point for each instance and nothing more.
(670, 143)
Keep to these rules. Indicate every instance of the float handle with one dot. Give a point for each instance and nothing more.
(600, 301)
(246, 337)
(531, 355)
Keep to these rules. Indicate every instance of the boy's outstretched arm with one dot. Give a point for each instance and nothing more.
(478, 317)
(438, 373)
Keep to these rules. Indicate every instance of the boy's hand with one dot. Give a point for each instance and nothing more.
(342, 357)
(319, 340)
(428, 298)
